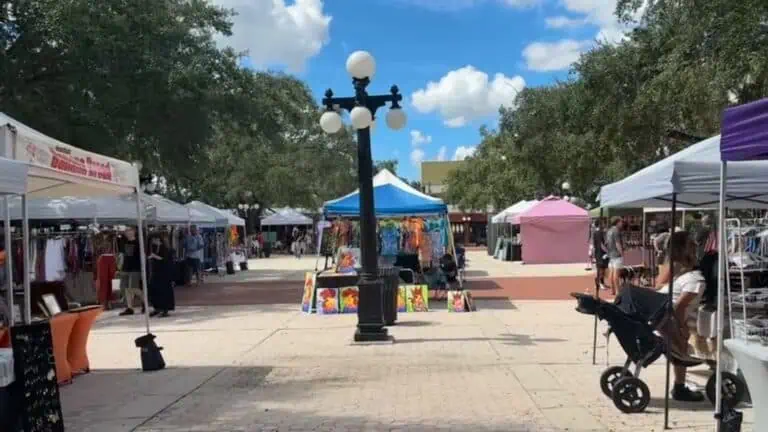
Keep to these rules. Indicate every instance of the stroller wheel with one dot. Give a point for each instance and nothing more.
(610, 377)
(734, 389)
(631, 395)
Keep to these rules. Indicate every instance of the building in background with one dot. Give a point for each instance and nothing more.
(470, 226)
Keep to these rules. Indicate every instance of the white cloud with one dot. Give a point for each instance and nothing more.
(522, 3)
(561, 21)
(463, 152)
(418, 138)
(275, 33)
(442, 153)
(467, 94)
(417, 156)
(455, 5)
(546, 57)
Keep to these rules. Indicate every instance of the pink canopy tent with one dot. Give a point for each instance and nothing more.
(554, 231)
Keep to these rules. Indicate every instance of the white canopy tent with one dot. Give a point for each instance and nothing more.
(286, 216)
(693, 176)
(55, 170)
(506, 215)
(116, 209)
(13, 181)
(221, 218)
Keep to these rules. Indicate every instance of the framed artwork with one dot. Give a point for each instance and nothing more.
(401, 303)
(348, 260)
(327, 301)
(417, 298)
(350, 299)
(455, 301)
(308, 298)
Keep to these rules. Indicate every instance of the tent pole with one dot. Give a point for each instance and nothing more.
(142, 256)
(9, 261)
(597, 293)
(643, 246)
(722, 262)
(26, 248)
(670, 308)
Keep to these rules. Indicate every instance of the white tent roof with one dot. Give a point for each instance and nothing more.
(117, 209)
(507, 214)
(57, 169)
(286, 216)
(222, 217)
(694, 175)
(13, 177)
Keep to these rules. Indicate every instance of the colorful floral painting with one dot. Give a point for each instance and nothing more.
(455, 301)
(327, 301)
(401, 303)
(347, 260)
(350, 298)
(308, 298)
(417, 298)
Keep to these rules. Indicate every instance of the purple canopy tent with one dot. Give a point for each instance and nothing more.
(744, 137)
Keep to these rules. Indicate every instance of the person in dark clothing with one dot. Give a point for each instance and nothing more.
(161, 295)
(600, 254)
(130, 271)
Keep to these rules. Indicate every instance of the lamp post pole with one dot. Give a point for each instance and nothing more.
(362, 108)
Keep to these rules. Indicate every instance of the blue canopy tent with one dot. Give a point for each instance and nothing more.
(391, 196)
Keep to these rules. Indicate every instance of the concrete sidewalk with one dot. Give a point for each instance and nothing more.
(511, 366)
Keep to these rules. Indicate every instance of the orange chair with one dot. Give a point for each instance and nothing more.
(5, 338)
(77, 350)
(61, 328)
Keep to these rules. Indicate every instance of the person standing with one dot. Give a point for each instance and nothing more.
(615, 249)
(161, 295)
(130, 271)
(194, 253)
(600, 254)
(295, 242)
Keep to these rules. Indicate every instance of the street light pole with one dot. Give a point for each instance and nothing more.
(362, 108)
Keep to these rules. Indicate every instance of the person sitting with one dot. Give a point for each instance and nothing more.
(687, 291)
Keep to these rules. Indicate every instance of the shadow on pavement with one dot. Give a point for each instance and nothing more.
(507, 339)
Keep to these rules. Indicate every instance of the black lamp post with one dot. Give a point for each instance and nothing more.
(362, 109)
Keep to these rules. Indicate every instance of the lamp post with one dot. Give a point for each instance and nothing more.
(362, 110)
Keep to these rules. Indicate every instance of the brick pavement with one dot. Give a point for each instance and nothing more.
(512, 366)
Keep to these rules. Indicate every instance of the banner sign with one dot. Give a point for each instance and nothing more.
(73, 161)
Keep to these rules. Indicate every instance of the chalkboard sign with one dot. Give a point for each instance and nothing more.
(36, 378)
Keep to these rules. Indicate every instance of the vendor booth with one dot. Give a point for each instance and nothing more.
(692, 179)
(56, 346)
(744, 138)
(503, 236)
(214, 235)
(414, 237)
(554, 231)
(277, 226)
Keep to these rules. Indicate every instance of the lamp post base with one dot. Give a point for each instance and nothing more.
(370, 312)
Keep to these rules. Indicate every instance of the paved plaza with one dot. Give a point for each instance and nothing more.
(510, 366)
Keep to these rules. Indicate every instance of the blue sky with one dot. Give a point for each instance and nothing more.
(455, 61)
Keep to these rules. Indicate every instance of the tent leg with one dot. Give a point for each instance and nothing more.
(9, 261)
(26, 248)
(670, 308)
(142, 256)
(721, 282)
(597, 295)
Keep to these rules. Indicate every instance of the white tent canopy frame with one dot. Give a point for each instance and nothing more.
(506, 215)
(13, 181)
(696, 178)
(56, 169)
(286, 216)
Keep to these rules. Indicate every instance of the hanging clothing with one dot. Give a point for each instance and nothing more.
(55, 268)
(161, 295)
(389, 233)
(106, 268)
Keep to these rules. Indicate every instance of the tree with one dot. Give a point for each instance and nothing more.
(389, 165)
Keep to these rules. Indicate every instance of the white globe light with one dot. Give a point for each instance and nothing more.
(566, 186)
(361, 117)
(330, 122)
(396, 119)
(360, 64)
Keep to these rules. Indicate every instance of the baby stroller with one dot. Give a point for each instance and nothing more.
(634, 317)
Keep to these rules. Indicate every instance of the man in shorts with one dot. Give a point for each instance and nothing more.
(130, 271)
(193, 251)
(615, 249)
